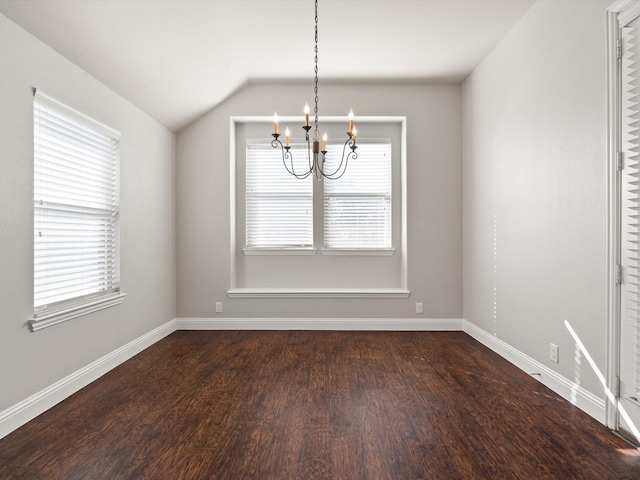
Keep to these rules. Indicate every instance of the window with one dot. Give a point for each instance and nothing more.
(357, 207)
(358, 223)
(279, 207)
(76, 210)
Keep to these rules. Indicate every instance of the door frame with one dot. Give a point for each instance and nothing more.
(620, 12)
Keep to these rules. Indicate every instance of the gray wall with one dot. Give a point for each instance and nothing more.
(535, 187)
(31, 361)
(434, 197)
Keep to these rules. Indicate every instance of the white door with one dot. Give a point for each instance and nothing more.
(628, 407)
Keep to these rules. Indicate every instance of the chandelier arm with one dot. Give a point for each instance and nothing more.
(320, 166)
(299, 176)
(349, 143)
(351, 155)
(287, 155)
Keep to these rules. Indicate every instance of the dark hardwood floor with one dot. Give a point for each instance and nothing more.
(316, 405)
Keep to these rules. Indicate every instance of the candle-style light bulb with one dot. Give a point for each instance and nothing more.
(287, 135)
(350, 120)
(324, 142)
(306, 114)
(353, 135)
(275, 122)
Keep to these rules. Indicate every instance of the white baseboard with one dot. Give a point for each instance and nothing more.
(19, 414)
(28, 409)
(570, 391)
(382, 324)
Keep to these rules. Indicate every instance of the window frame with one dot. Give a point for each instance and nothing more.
(85, 302)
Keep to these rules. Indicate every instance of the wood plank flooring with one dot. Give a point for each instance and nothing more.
(316, 405)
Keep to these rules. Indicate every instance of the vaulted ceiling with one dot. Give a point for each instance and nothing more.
(177, 59)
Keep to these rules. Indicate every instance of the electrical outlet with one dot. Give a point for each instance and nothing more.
(553, 352)
(418, 307)
(218, 307)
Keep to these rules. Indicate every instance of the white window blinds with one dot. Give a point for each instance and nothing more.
(357, 207)
(279, 207)
(76, 207)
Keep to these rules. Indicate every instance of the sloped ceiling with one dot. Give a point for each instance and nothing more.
(177, 59)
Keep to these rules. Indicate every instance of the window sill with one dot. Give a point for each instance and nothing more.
(359, 251)
(318, 293)
(279, 251)
(48, 319)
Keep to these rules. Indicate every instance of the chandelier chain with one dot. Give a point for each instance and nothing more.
(316, 163)
(316, 72)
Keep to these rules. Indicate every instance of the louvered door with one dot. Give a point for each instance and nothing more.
(629, 406)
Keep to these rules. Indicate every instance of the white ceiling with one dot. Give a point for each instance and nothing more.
(177, 59)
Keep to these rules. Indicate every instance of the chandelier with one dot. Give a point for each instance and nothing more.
(315, 162)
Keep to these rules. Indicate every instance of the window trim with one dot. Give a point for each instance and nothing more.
(401, 248)
(377, 252)
(279, 251)
(251, 292)
(69, 312)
